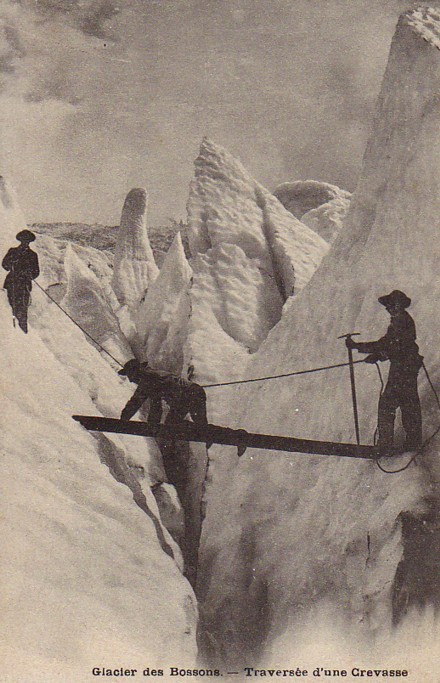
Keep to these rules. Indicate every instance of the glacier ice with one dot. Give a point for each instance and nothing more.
(89, 305)
(290, 536)
(85, 550)
(249, 253)
(161, 319)
(134, 265)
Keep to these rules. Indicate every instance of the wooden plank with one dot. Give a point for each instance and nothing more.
(187, 431)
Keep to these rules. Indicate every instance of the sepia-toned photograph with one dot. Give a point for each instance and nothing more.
(220, 354)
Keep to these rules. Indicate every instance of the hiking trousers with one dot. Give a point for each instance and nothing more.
(193, 402)
(19, 298)
(400, 392)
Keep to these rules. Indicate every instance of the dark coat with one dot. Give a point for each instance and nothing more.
(398, 345)
(156, 385)
(22, 264)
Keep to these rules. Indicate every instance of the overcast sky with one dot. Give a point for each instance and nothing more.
(99, 96)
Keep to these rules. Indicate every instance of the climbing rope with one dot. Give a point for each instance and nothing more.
(425, 443)
(287, 374)
(271, 377)
(206, 386)
(78, 325)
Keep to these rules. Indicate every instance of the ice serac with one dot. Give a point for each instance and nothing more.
(292, 538)
(328, 219)
(134, 265)
(320, 206)
(296, 250)
(161, 321)
(249, 253)
(88, 303)
(51, 253)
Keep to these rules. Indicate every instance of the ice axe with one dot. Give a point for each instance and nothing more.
(353, 385)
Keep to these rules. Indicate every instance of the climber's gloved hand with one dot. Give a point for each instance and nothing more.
(372, 358)
(350, 344)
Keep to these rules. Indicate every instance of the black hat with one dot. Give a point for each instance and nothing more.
(25, 236)
(395, 298)
(130, 366)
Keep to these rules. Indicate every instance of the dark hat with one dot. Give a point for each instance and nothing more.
(25, 236)
(395, 298)
(130, 366)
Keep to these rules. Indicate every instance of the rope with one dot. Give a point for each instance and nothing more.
(270, 377)
(425, 443)
(287, 374)
(206, 386)
(78, 325)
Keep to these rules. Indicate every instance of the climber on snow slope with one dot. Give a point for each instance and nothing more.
(400, 348)
(22, 264)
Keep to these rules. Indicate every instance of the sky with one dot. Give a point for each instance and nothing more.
(99, 96)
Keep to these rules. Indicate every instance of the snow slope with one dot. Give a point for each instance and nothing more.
(90, 577)
(294, 538)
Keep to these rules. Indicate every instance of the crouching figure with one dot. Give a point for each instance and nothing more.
(182, 396)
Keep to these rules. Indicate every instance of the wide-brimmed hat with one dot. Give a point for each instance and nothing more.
(25, 236)
(395, 298)
(130, 366)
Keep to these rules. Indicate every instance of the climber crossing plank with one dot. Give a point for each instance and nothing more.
(182, 396)
(188, 431)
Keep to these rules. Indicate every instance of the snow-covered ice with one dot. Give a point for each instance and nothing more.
(320, 206)
(134, 267)
(161, 320)
(249, 254)
(134, 264)
(88, 303)
(89, 573)
(288, 536)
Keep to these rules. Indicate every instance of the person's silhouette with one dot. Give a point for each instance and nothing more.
(22, 264)
(400, 348)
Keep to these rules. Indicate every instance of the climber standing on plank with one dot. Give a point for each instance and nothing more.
(400, 348)
(23, 267)
(182, 396)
